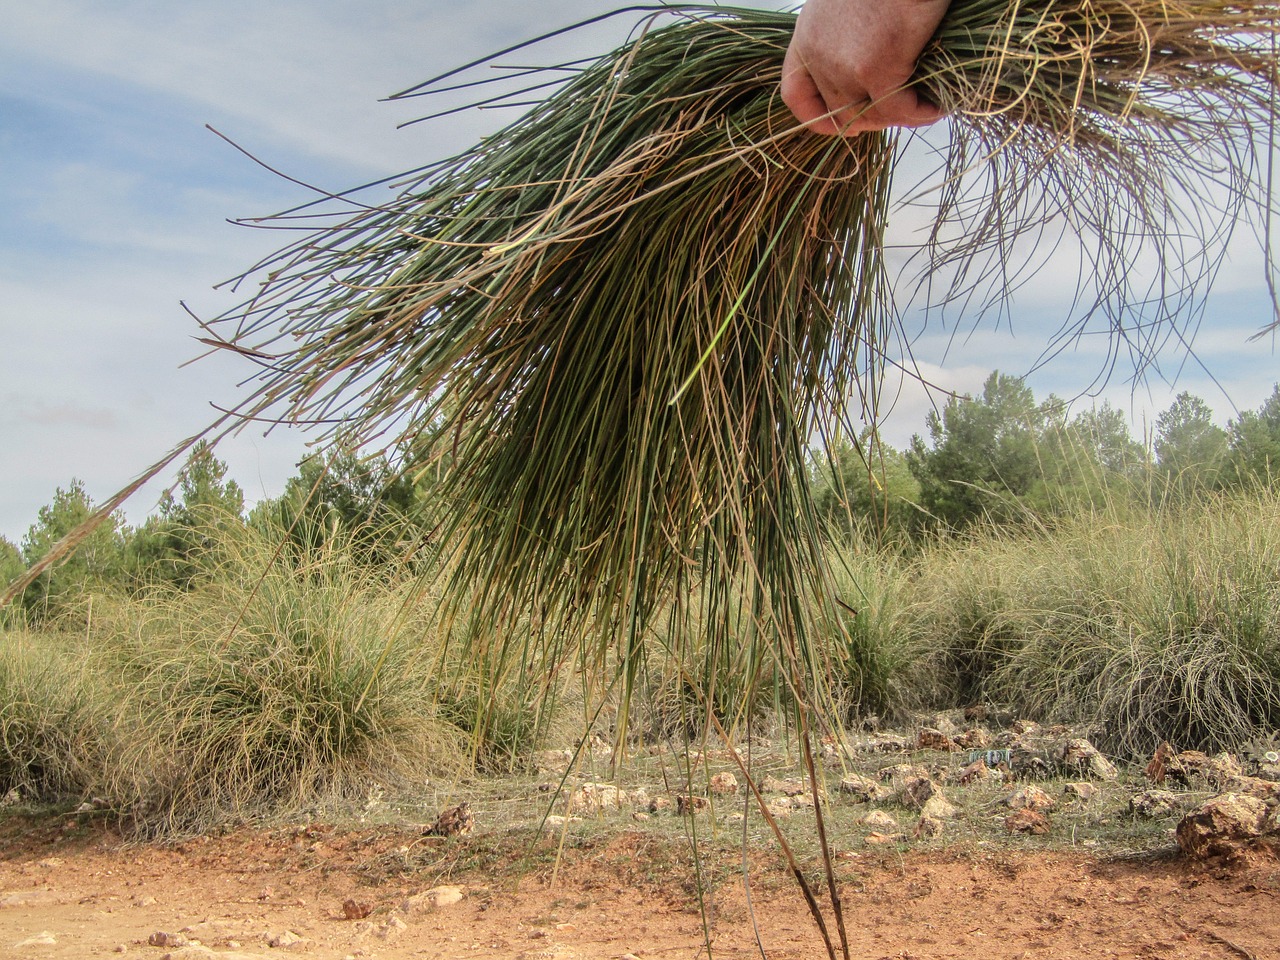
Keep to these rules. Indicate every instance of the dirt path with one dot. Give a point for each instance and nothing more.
(78, 896)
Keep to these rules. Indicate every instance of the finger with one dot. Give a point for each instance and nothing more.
(801, 94)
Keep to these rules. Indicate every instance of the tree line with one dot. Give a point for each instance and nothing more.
(998, 457)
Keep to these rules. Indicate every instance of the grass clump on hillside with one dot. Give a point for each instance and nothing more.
(270, 684)
(54, 718)
(1143, 627)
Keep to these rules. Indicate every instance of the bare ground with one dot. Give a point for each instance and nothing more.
(71, 890)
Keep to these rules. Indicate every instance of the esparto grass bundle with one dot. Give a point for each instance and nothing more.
(621, 319)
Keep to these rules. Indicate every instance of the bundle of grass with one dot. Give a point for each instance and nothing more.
(622, 317)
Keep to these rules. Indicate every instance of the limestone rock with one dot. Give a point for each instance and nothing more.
(927, 828)
(42, 939)
(1080, 791)
(1030, 798)
(1027, 821)
(454, 822)
(437, 898)
(724, 784)
(788, 788)
(917, 791)
(899, 773)
(888, 743)
(688, 806)
(593, 799)
(1153, 804)
(862, 789)
(938, 807)
(975, 738)
(975, 772)
(1226, 826)
(288, 940)
(880, 821)
(932, 739)
(355, 910)
(1267, 790)
(1079, 754)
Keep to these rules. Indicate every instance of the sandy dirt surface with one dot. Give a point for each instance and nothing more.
(271, 894)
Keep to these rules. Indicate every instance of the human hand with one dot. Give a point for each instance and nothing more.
(850, 59)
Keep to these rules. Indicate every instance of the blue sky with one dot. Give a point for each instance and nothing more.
(114, 201)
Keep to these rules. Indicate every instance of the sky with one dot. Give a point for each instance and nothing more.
(115, 202)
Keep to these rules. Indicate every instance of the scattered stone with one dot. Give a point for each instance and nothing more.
(927, 828)
(1192, 765)
(1079, 754)
(392, 928)
(977, 712)
(1025, 728)
(932, 739)
(938, 807)
(724, 784)
(688, 806)
(353, 910)
(862, 789)
(556, 822)
(1267, 790)
(1027, 821)
(1102, 768)
(1030, 764)
(877, 839)
(975, 772)
(780, 807)
(437, 898)
(1158, 768)
(599, 748)
(788, 788)
(1153, 804)
(1226, 826)
(30, 898)
(1030, 798)
(834, 751)
(888, 743)
(547, 761)
(943, 724)
(454, 822)
(42, 939)
(916, 791)
(288, 940)
(658, 804)
(162, 939)
(975, 738)
(593, 799)
(879, 820)
(899, 773)
(1080, 791)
